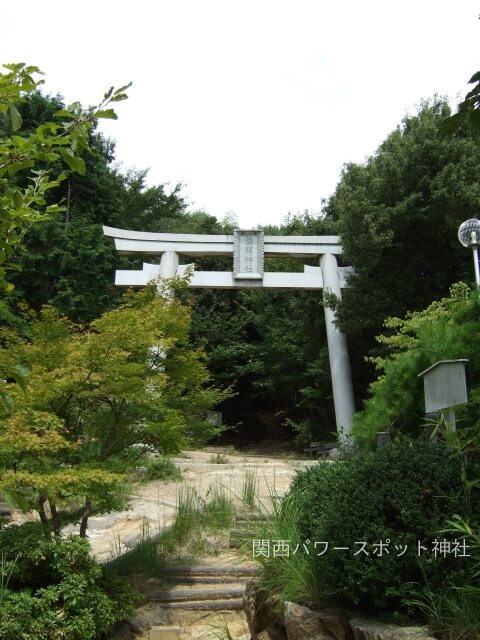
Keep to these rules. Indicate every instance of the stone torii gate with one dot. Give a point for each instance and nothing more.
(248, 249)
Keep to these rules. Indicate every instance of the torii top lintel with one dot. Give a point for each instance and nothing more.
(248, 248)
(131, 242)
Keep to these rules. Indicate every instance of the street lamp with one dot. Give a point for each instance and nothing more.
(469, 236)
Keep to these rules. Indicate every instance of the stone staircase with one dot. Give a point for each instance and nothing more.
(199, 598)
(209, 588)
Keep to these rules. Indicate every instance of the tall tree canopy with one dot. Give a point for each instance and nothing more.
(398, 216)
(67, 261)
(35, 161)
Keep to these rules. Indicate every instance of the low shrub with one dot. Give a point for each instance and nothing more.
(400, 496)
(161, 469)
(56, 588)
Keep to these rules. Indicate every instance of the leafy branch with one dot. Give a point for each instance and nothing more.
(40, 154)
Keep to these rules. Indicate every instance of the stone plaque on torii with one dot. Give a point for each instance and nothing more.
(248, 248)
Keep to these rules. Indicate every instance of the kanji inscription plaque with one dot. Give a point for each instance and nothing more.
(248, 255)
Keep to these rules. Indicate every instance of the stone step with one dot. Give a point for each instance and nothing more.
(208, 579)
(209, 570)
(165, 633)
(198, 593)
(232, 604)
(238, 537)
(241, 532)
(248, 517)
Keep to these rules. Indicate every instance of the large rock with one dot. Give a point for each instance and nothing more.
(251, 606)
(335, 622)
(121, 631)
(327, 624)
(365, 629)
(261, 614)
(301, 623)
(271, 619)
(147, 616)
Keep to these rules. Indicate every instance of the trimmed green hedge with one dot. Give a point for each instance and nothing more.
(405, 494)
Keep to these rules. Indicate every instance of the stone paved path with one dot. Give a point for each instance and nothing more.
(153, 505)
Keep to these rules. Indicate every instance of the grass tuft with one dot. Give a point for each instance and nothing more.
(250, 489)
(453, 614)
(218, 512)
(291, 577)
(219, 630)
(194, 515)
(219, 458)
(145, 557)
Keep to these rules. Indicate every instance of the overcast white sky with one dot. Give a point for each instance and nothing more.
(254, 105)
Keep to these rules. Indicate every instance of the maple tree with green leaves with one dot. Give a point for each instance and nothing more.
(98, 398)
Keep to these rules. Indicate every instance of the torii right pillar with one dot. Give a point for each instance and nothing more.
(338, 354)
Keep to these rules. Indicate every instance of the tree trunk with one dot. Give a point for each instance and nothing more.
(84, 522)
(55, 519)
(43, 516)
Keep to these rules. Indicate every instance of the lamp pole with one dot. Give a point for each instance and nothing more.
(469, 234)
(475, 264)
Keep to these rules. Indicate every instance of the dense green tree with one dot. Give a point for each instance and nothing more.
(447, 329)
(468, 111)
(146, 208)
(398, 216)
(67, 261)
(71, 266)
(34, 162)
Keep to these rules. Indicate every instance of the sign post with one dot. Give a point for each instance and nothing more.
(445, 387)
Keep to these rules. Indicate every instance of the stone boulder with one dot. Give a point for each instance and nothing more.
(366, 629)
(251, 606)
(302, 623)
(261, 614)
